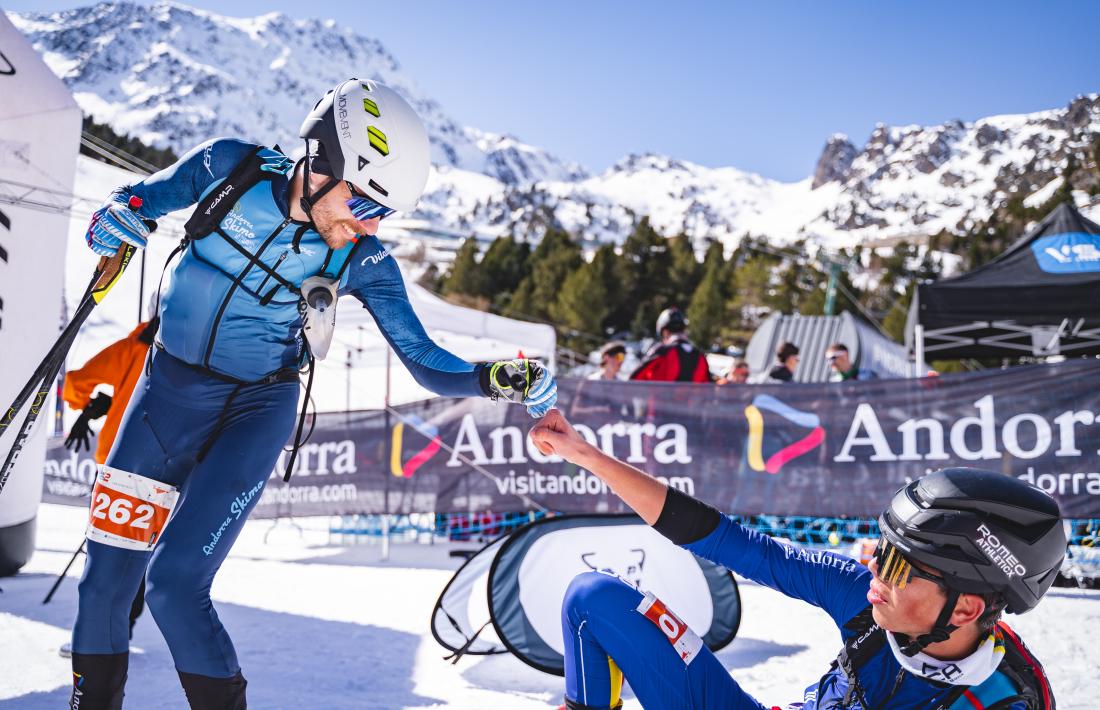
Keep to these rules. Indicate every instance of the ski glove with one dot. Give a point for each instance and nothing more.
(80, 432)
(117, 221)
(525, 382)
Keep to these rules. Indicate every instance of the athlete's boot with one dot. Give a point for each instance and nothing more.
(98, 680)
(207, 693)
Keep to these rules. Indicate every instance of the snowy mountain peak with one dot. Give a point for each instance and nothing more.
(174, 75)
(835, 161)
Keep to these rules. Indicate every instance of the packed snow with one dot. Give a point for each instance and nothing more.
(319, 625)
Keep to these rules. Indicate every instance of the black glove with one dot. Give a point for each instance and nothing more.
(81, 431)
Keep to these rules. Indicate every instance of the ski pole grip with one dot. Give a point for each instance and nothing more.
(110, 270)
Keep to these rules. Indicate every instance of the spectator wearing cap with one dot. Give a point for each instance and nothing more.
(738, 373)
(842, 367)
(674, 358)
(787, 356)
(611, 361)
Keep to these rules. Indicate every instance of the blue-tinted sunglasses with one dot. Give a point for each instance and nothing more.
(365, 208)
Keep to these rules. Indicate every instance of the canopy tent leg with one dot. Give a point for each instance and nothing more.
(918, 350)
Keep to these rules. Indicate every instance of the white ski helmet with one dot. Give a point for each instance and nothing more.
(373, 139)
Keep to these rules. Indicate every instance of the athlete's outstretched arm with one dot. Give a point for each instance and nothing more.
(645, 494)
(374, 279)
(833, 582)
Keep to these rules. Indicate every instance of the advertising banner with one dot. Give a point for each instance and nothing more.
(815, 449)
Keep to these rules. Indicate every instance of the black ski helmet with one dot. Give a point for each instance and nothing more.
(671, 319)
(983, 531)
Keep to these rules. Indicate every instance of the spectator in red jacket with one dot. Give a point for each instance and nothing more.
(674, 358)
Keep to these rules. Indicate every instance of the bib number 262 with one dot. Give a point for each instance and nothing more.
(129, 510)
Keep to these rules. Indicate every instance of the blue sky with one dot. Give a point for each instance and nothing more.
(756, 85)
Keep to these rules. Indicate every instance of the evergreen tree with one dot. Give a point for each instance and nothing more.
(587, 297)
(684, 271)
(155, 157)
(504, 266)
(552, 261)
(643, 271)
(465, 276)
(707, 309)
(751, 282)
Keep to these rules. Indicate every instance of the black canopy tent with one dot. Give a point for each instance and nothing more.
(1040, 297)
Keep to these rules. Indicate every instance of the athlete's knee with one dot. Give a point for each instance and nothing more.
(107, 571)
(96, 594)
(168, 590)
(590, 589)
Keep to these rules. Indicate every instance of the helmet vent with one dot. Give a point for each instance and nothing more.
(378, 140)
(378, 188)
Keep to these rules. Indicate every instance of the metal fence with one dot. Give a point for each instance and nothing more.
(1082, 560)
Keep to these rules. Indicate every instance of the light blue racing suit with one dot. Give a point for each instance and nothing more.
(224, 378)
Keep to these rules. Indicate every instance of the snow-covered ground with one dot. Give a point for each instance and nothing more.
(322, 626)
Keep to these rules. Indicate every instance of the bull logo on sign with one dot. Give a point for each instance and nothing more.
(627, 565)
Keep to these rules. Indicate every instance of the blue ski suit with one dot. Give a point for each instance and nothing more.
(600, 621)
(223, 377)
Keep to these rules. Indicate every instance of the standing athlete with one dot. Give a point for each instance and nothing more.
(270, 245)
(920, 624)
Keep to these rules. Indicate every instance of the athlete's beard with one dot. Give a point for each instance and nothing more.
(333, 222)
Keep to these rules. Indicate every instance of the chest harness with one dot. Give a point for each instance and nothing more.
(205, 221)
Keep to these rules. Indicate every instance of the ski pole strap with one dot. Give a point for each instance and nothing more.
(299, 440)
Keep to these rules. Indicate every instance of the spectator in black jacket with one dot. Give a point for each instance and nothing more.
(787, 355)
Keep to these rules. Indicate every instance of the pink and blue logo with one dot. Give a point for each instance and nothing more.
(405, 469)
(754, 413)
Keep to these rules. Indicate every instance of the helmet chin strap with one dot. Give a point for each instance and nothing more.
(941, 630)
(308, 200)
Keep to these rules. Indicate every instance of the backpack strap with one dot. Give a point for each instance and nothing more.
(866, 640)
(1018, 678)
(212, 209)
(261, 164)
(1023, 668)
(996, 691)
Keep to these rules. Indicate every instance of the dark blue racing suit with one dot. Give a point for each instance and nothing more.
(223, 378)
(600, 621)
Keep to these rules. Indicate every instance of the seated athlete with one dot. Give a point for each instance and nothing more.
(920, 624)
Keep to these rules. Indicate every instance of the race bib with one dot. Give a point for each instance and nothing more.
(686, 642)
(129, 510)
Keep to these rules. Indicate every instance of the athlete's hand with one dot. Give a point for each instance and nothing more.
(80, 433)
(554, 435)
(525, 382)
(117, 221)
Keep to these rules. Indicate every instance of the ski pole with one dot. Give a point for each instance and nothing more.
(107, 274)
(61, 577)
